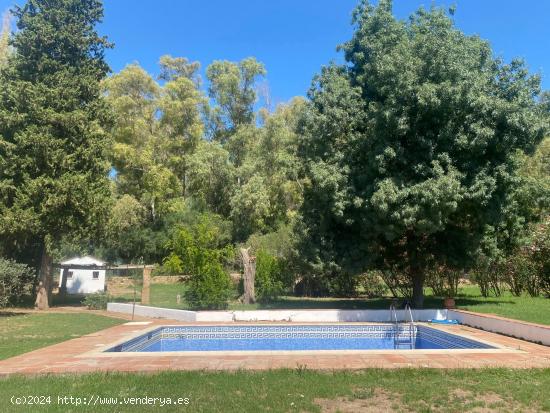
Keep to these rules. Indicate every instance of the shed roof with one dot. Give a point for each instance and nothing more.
(86, 260)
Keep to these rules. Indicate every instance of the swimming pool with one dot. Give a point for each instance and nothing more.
(295, 337)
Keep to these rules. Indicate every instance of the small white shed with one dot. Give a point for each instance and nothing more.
(86, 277)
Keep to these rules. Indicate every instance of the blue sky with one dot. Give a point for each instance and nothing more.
(295, 38)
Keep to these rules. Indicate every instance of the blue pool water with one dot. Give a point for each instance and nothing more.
(295, 337)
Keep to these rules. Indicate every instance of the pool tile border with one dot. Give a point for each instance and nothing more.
(83, 355)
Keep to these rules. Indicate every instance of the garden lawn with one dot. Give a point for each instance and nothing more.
(22, 332)
(526, 308)
(419, 390)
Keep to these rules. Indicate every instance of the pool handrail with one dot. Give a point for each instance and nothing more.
(412, 326)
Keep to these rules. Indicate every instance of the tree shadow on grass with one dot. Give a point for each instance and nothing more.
(68, 300)
(381, 303)
(463, 300)
(129, 300)
(5, 314)
(333, 303)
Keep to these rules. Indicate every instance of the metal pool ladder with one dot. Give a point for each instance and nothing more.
(407, 340)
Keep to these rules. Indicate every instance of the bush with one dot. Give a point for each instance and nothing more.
(198, 250)
(312, 285)
(96, 301)
(398, 283)
(521, 274)
(327, 285)
(488, 276)
(278, 244)
(210, 288)
(526, 268)
(541, 255)
(269, 274)
(16, 281)
(443, 281)
(373, 284)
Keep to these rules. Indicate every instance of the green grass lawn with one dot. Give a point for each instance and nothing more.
(23, 332)
(491, 390)
(533, 309)
(421, 390)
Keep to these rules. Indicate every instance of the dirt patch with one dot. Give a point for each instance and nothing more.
(380, 401)
(461, 394)
(491, 402)
(169, 279)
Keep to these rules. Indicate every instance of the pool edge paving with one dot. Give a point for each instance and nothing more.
(85, 355)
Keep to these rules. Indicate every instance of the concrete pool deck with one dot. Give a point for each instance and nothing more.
(84, 355)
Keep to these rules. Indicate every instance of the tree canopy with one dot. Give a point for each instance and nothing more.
(53, 146)
(421, 153)
(410, 147)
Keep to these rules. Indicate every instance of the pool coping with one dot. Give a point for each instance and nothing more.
(83, 355)
(101, 351)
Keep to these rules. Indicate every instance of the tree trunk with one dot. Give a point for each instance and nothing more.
(44, 294)
(249, 265)
(417, 276)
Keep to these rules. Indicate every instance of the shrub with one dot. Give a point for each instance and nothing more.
(312, 285)
(373, 284)
(210, 288)
(521, 274)
(488, 275)
(443, 281)
(96, 301)
(197, 250)
(327, 285)
(278, 244)
(16, 281)
(541, 255)
(269, 274)
(398, 283)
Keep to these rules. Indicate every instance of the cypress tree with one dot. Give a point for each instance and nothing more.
(53, 165)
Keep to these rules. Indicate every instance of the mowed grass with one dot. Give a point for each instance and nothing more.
(526, 308)
(417, 390)
(21, 332)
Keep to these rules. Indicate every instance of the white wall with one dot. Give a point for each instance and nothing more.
(82, 282)
(303, 316)
(513, 328)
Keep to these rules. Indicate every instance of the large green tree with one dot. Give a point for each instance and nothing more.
(53, 168)
(233, 89)
(410, 147)
(267, 169)
(156, 129)
(139, 153)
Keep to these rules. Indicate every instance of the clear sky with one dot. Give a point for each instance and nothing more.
(294, 38)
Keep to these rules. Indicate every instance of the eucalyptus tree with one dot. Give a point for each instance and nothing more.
(211, 177)
(232, 88)
(156, 129)
(410, 147)
(172, 68)
(4, 38)
(53, 147)
(270, 187)
(138, 153)
(180, 105)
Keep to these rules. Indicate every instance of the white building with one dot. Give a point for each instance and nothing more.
(86, 277)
